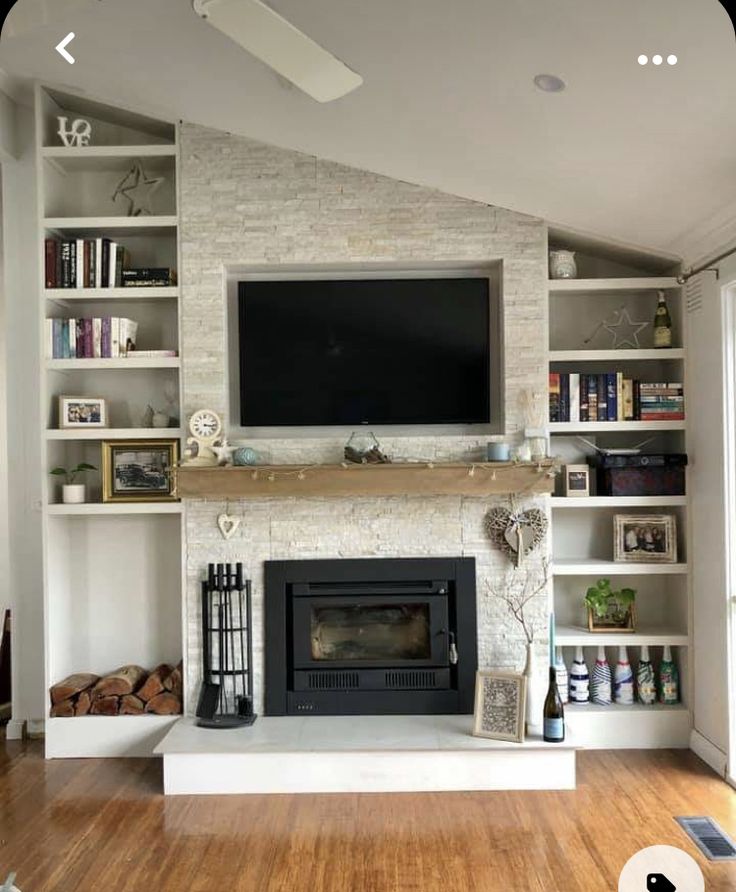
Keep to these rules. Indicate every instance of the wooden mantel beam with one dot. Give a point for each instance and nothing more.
(404, 479)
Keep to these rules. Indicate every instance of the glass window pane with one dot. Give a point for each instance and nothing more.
(371, 632)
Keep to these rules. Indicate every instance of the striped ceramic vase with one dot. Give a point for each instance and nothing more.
(600, 682)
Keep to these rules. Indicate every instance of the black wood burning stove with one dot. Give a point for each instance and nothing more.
(370, 636)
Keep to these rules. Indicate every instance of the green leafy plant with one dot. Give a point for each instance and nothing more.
(606, 604)
(72, 474)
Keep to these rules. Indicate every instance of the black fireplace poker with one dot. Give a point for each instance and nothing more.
(226, 698)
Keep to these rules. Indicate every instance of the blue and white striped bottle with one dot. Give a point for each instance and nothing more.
(579, 684)
(600, 683)
(623, 680)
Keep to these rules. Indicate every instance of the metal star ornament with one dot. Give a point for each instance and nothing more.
(137, 188)
(624, 330)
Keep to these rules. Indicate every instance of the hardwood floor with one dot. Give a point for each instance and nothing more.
(103, 825)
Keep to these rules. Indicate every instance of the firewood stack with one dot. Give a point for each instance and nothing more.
(130, 690)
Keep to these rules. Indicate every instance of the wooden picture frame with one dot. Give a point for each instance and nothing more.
(645, 538)
(500, 705)
(82, 412)
(576, 481)
(139, 470)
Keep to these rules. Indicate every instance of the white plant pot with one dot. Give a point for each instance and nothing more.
(73, 493)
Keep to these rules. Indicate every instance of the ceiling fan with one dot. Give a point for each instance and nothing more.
(283, 47)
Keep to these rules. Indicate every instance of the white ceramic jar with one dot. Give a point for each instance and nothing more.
(562, 265)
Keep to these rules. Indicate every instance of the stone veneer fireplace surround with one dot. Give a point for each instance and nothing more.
(245, 205)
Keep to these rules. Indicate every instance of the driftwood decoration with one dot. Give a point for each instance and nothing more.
(516, 533)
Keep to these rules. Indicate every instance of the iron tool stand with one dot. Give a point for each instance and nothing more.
(226, 699)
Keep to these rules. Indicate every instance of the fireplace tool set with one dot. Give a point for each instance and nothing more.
(226, 698)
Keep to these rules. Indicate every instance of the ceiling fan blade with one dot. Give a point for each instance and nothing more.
(274, 40)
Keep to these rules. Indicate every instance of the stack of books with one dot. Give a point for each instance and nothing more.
(85, 263)
(149, 277)
(109, 337)
(662, 402)
(612, 397)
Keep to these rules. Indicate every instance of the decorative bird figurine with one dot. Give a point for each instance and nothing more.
(224, 452)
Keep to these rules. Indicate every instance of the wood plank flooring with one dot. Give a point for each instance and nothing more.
(104, 825)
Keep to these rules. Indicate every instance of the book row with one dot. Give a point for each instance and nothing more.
(98, 263)
(610, 396)
(108, 337)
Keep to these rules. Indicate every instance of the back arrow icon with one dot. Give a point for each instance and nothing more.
(61, 48)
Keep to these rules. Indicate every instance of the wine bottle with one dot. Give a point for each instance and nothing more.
(561, 676)
(601, 680)
(662, 323)
(669, 679)
(623, 680)
(554, 712)
(645, 683)
(579, 679)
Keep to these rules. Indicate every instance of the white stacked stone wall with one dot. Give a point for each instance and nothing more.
(245, 203)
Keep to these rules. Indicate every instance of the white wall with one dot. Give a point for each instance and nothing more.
(23, 413)
(708, 490)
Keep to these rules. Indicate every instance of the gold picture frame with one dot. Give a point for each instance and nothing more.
(139, 470)
(500, 705)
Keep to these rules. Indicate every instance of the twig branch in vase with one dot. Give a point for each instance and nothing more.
(518, 590)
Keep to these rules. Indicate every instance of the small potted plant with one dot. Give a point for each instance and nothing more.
(608, 610)
(73, 493)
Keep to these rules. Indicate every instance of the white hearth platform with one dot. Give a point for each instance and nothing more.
(357, 754)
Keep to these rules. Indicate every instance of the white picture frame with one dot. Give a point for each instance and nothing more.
(645, 538)
(576, 481)
(500, 705)
(82, 412)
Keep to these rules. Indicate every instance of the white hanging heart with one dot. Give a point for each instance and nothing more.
(228, 525)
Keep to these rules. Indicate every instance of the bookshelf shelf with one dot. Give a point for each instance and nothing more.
(573, 636)
(593, 286)
(618, 502)
(116, 433)
(163, 362)
(113, 508)
(582, 567)
(575, 427)
(616, 356)
(63, 295)
(114, 627)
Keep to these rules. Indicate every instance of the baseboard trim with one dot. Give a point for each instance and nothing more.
(15, 729)
(708, 752)
(36, 727)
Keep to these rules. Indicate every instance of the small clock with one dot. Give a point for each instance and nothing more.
(205, 427)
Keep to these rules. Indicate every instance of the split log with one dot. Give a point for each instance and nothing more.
(83, 704)
(164, 704)
(155, 682)
(173, 682)
(123, 681)
(130, 704)
(105, 706)
(64, 709)
(72, 685)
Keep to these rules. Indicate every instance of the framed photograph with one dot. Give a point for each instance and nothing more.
(576, 481)
(82, 412)
(645, 538)
(139, 470)
(500, 703)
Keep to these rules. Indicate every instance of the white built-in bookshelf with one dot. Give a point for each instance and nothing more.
(582, 528)
(113, 572)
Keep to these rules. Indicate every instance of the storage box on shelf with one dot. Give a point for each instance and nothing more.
(113, 571)
(582, 539)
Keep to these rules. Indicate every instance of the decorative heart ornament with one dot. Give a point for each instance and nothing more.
(516, 533)
(228, 525)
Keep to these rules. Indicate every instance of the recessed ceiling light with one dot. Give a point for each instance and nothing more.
(657, 60)
(549, 83)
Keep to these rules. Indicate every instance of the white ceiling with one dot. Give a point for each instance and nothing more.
(644, 155)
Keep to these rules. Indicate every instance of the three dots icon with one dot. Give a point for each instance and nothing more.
(657, 59)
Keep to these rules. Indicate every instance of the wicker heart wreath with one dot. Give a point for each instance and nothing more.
(516, 533)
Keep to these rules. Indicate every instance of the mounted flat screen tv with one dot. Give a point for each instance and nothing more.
(365, 352)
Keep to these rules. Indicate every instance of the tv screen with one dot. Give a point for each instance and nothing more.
(365, 351)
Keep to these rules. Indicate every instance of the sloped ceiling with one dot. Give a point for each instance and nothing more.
(645, 155)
